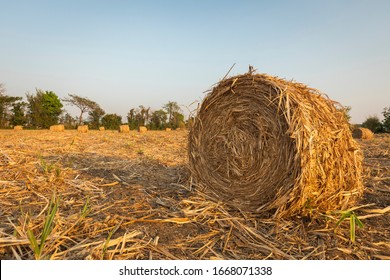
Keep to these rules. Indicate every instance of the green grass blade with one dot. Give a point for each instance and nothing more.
(352, 227)
(33, 243)
(359, 222)
(343, 217)
(47, 227)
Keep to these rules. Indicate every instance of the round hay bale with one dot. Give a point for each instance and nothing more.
(82, 128)
(18, 127)
(124, 128)
(168, 129)
(362, 133)
(142, 129)
(57, 128)
(266, 144)
(102, 128)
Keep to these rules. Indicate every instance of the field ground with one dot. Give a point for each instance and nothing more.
(128, 196)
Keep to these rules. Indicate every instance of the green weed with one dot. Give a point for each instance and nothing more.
(47, 228)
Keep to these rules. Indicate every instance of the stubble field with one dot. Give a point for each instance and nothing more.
(129, 196)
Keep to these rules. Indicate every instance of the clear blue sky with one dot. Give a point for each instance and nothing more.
(122, 54)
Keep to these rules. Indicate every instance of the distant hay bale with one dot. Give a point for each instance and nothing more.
(124, 129)
(142, 129)
(271, 146)
(168, 129)
(57, 128)
(102, 128)
(18, 127)
(362, 133)
(82, 128)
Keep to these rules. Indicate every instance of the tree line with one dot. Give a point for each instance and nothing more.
(44, 108)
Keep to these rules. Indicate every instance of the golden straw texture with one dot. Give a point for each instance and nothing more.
(262, 143)
(82, 128)
(57, 128)
(18, 127)
(142, 129)
(124, 128)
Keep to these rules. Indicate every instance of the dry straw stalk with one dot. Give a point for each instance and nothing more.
(362, 133)
(262, 143)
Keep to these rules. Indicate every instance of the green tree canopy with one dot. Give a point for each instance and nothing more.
(158, 120)
(373, 123)
(95, 116)
(138, 117)
(111, 121)
(172, 109)
(386, 119)
(83, 103)
(19, 113)
(44, 108)
(6, 103)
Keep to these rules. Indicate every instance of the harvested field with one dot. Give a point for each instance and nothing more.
(127, 196)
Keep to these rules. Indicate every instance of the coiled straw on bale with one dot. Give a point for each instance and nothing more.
(266, 144)
(362, 133)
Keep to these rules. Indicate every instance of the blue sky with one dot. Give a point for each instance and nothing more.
(122, 54)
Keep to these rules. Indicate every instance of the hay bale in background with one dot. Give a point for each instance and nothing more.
(18, 127)
(362, 133)
(124, 129)
(142, 129)
(102, 128)
(57, 128)
(82, 128)
(262, 143)
(168, 129)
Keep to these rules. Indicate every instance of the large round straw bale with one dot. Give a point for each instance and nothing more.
(124, 128)
(18, 127)
(266, 144)
(168, 129)
(57, 128)
(102, 128)
(142, 129)
(82, 128)
(362, 133)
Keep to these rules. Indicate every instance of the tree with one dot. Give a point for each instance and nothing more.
(19, 113)
(83, 103)
(111, 121)
(158, 120)
(138, 117)
(6, 102)
(172, 108)
(68, 121)
(44, 108)
(386, 119)
(95, 116)
(178, 121)
(373, 123)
